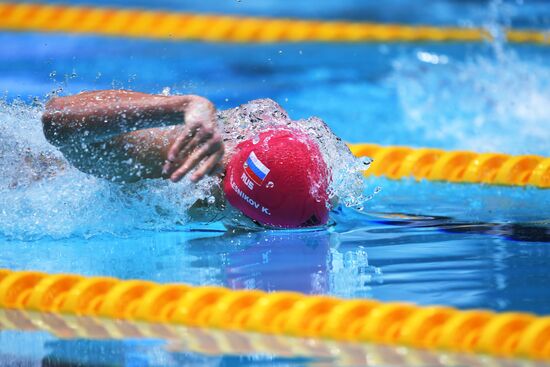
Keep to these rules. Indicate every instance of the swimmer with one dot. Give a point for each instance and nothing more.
(278, 179)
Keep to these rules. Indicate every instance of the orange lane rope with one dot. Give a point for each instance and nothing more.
(221, 342)
(224, 28)
(280, 313)
(455, 166)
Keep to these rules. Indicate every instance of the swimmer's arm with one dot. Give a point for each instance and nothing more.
(93, 117)
(118, 118)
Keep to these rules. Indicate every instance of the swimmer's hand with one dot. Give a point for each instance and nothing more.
(198, 146)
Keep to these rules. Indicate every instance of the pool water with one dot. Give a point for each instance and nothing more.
(469, 246)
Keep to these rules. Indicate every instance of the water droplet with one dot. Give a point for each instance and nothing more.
(270, 185)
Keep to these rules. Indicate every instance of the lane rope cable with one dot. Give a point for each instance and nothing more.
(510, 334)
(225, 28)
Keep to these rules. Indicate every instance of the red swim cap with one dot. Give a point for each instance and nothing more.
(281, 180)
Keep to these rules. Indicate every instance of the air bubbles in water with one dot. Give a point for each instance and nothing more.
(351, 274)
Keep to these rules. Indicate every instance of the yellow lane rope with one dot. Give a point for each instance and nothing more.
(280, 313)
(222, 28)
(213, 342)
(455, 166)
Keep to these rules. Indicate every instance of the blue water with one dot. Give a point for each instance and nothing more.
(468, 246)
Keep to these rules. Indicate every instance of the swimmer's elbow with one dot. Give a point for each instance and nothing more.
(193, 101)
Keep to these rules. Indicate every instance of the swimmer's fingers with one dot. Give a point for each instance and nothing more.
(181, 141)
(212, 148)
(191, 137)
(198, 140)
(210, 166)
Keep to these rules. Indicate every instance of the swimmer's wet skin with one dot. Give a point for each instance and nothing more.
(278, 178)
(122, 136)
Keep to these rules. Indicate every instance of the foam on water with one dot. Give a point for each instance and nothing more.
(41, 194)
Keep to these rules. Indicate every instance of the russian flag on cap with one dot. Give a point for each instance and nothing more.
(255, 169)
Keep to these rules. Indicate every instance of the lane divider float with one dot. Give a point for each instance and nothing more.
(280, 313)
(216, 342)
(398, 162)
(225, 28)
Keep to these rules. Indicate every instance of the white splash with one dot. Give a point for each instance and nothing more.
(497, 101)
(41, 194)
(482, 104)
